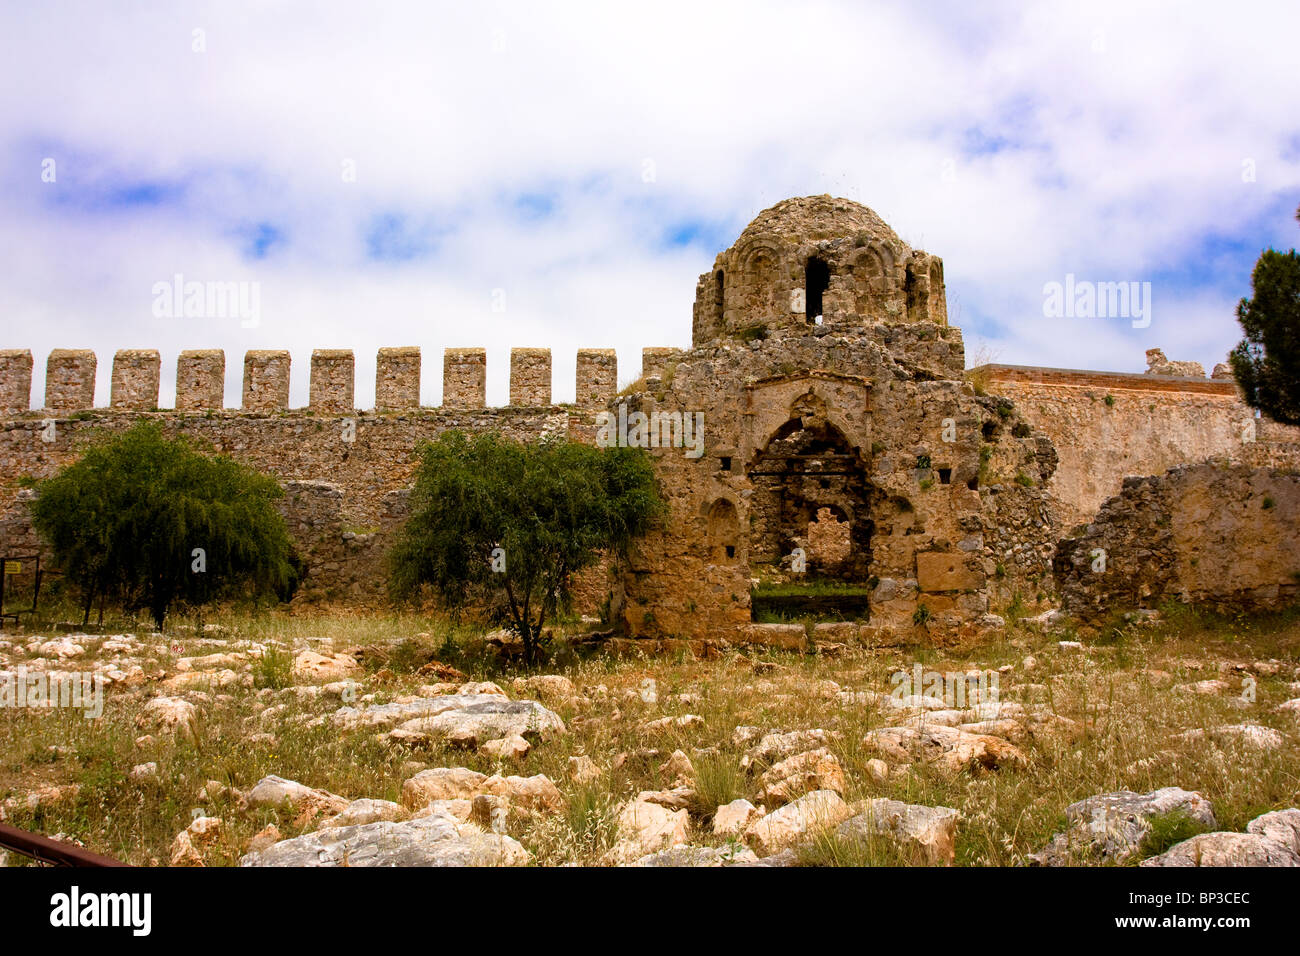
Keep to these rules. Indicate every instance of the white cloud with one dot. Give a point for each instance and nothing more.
(1105, 140)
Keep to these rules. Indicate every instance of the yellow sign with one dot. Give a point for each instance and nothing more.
(13, 567)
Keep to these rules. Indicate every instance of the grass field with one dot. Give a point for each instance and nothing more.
(1126, 699)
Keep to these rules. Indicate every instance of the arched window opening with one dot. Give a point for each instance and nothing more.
(719, 297)
(816, 280)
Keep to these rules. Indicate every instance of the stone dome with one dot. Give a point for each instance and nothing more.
(816, 260)
(813, 218)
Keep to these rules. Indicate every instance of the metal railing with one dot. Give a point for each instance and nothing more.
(53, 852)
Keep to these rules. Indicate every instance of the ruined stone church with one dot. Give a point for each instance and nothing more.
(850, 464)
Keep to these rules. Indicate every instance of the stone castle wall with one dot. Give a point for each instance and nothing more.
(1209, 534)
(346, 472)
(1107, 426)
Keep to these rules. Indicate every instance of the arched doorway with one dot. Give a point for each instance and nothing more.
(811, 492)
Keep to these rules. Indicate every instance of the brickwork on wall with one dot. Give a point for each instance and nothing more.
(1227, 536)
(830, 412)
(656, 361)
(201, 380)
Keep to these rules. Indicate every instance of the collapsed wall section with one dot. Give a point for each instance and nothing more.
(1227, 536)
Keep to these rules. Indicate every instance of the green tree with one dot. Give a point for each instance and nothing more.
(508, 523)
(1266, 362)
(150, 522)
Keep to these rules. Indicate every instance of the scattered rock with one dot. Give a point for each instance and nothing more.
(774, 747)
(583, 770)
(797, 821)
(947, 747)
(275, 791)
(361, 812)
(186, 849)
(466, 719)
(435, 840)
(1111, 827)
(171, 715)
(733, 818)
(311, 666)
(706, 856)
(926, 834)
(645, 828)
(513, 747)
(812, 770)
(441, 783)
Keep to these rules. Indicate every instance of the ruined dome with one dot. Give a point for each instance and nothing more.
(816, 260)
(805, 218)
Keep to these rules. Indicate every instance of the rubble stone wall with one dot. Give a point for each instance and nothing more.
(1107, 426)
(1222, 535)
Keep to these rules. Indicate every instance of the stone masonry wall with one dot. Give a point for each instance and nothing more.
(1227, 536)
(201, 380)
(397, 379)
(530, 377)
(1107, 426)
(346, 473)
(136, 374)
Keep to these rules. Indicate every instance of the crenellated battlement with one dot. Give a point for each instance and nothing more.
(201, 379)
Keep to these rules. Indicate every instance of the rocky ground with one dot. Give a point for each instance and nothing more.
(333, 741)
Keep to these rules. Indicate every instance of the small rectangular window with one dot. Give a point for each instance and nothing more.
(945, 475)
(726, 463)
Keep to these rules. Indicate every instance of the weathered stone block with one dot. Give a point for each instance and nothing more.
(655, 361)
(397, 379)
(597, 377)
(15, 380)
(70, 380)
(530, 377)
(787, 637)
(266, 380)
(201, 380)
(464, 378)
(333, 377)
(136, 374)
(939, 571)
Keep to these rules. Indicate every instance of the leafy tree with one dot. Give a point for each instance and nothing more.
(511, 522)
(150, 522)
(1266, 362)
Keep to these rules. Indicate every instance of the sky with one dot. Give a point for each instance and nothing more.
(535, 174)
